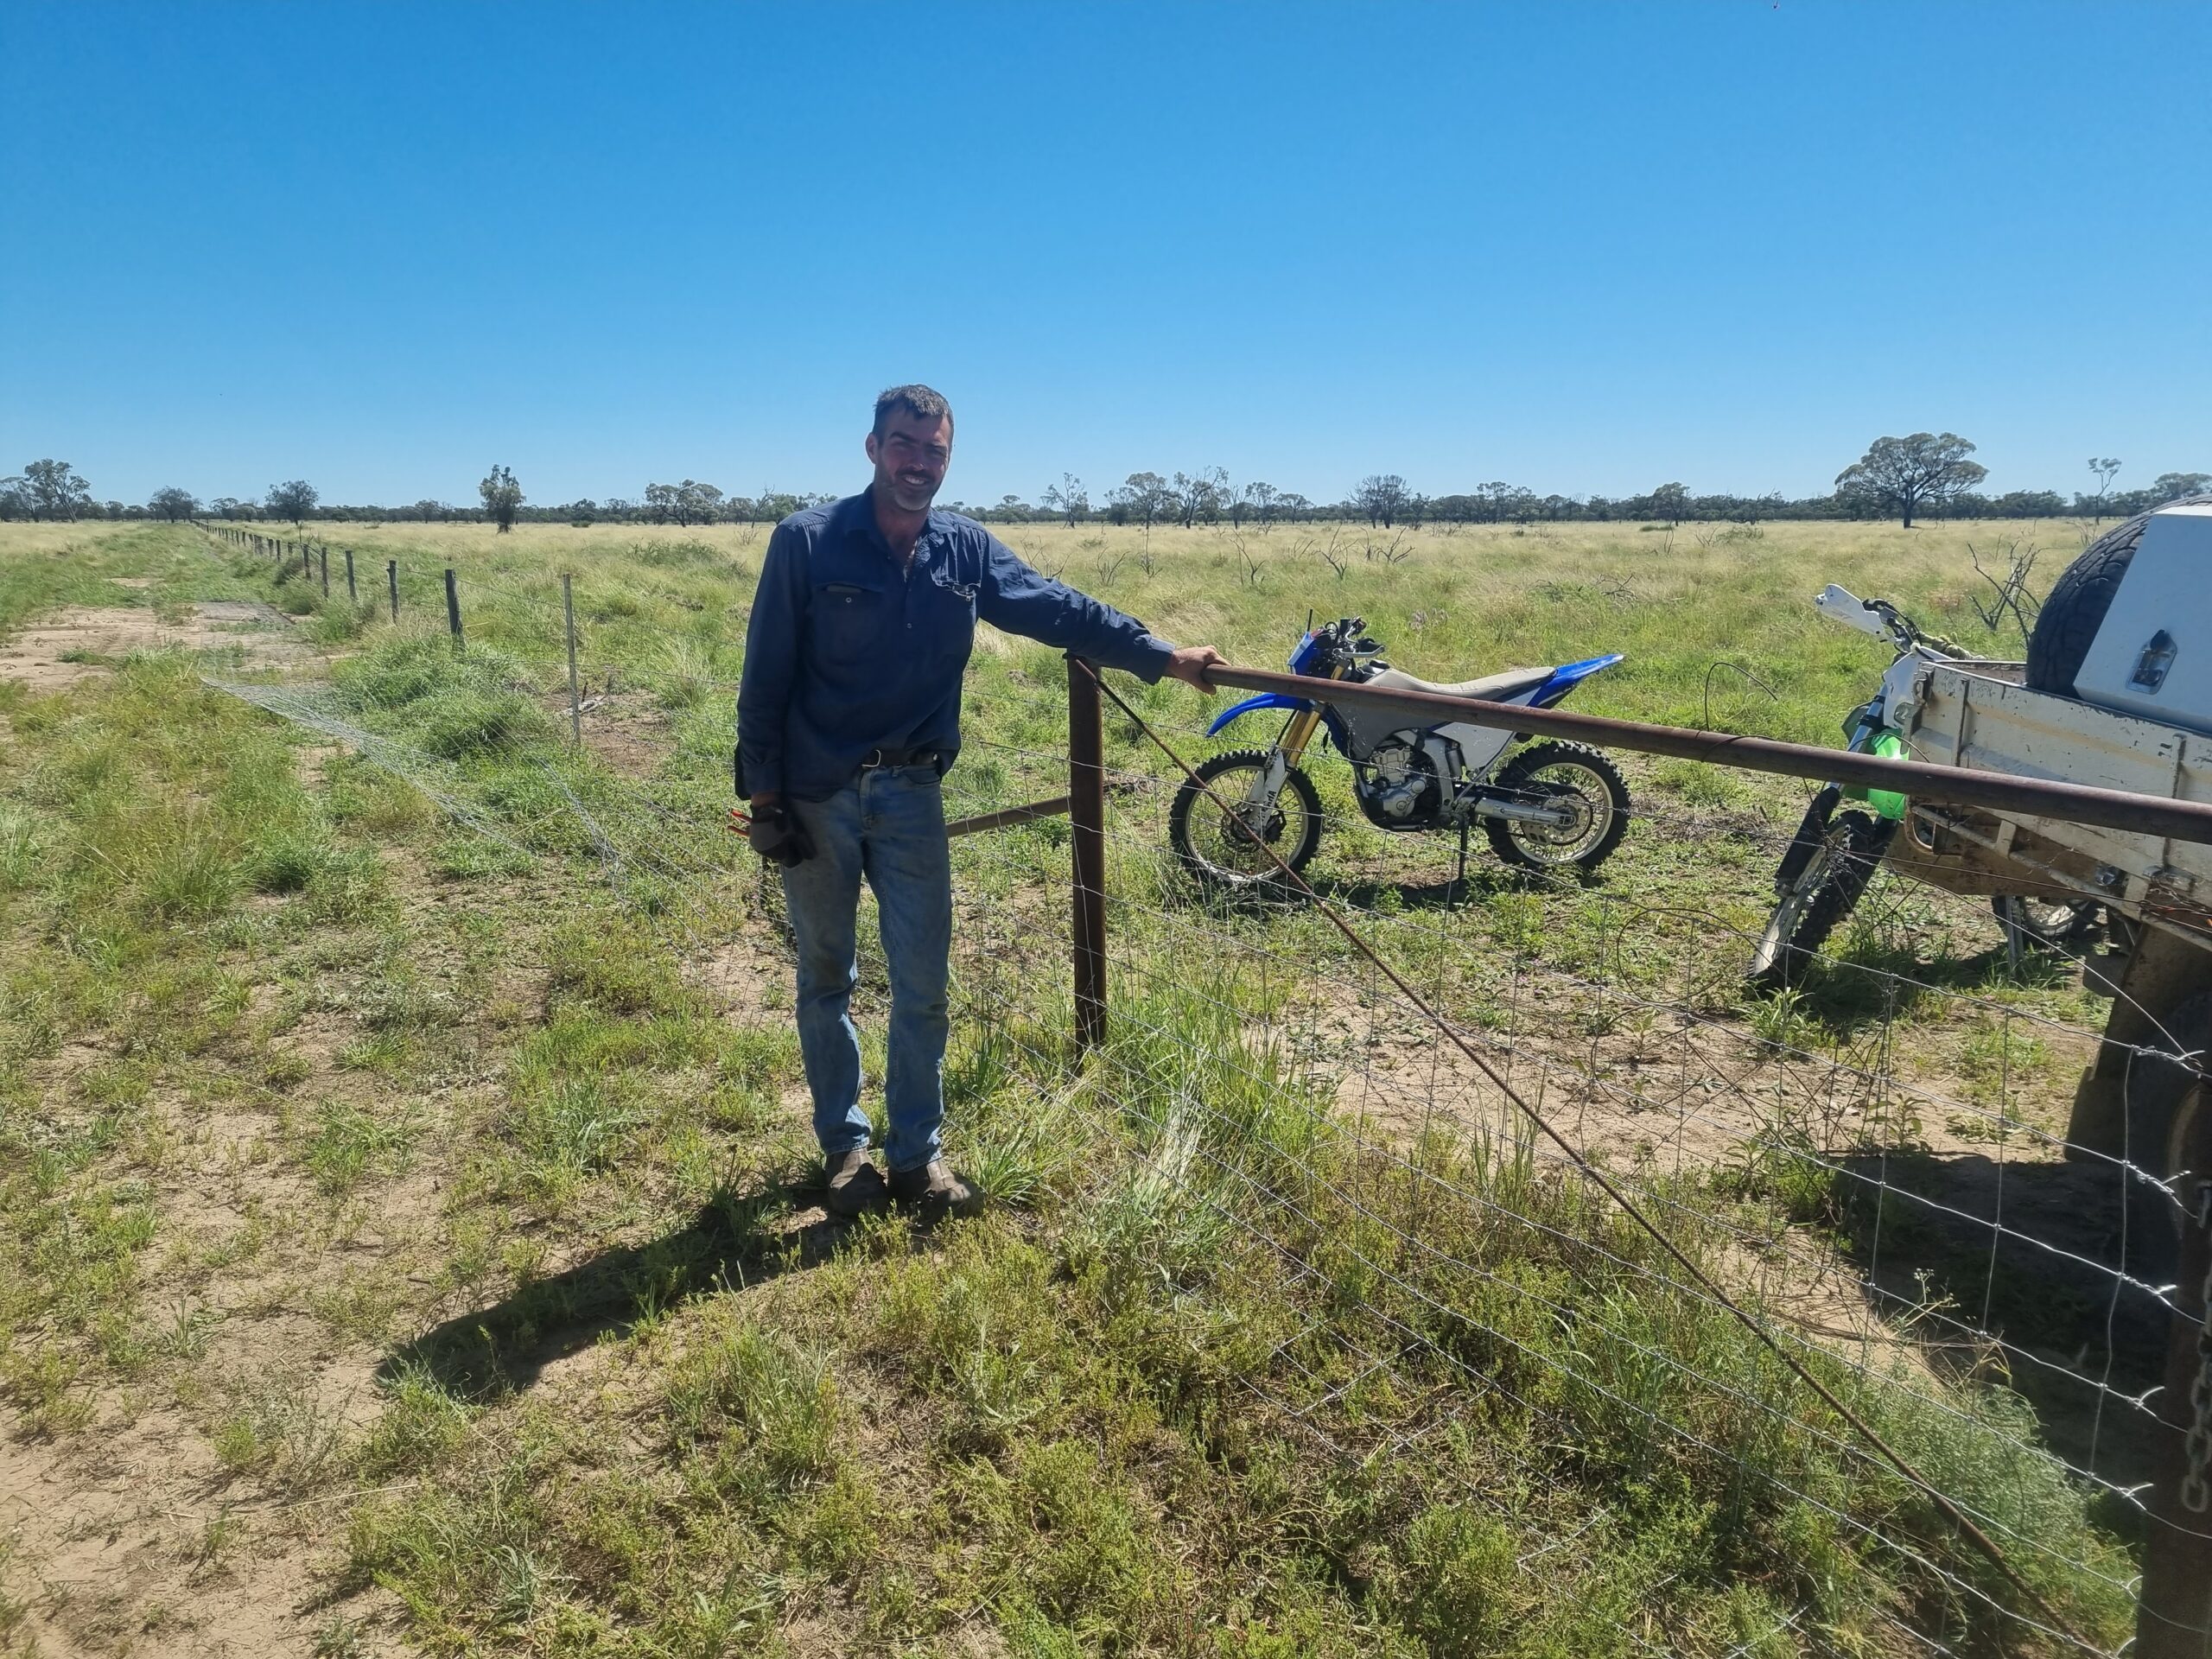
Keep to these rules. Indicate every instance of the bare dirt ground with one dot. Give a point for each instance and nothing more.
(85, 640)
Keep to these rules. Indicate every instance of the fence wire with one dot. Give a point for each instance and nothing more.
(1923, 1236)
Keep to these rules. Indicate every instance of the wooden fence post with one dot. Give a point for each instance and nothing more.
(392, 575)
(1087, 849)
(352, 596)
(575, 705)
(326, 572)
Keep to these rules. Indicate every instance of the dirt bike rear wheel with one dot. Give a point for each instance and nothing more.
(1573, 775)
(1230, 848)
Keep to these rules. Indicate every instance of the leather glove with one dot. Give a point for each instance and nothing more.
(779, 837)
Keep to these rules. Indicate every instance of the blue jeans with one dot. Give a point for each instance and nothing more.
(889, 828)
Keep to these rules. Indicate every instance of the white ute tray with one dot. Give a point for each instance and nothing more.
(1962, 717)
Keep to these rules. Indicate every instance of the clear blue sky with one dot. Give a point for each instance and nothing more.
(1587, 247)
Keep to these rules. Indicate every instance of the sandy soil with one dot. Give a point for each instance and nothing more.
(84, 641)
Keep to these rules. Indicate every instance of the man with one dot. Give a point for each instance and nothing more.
(848, 715)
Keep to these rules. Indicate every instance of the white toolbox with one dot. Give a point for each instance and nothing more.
(2152, 655)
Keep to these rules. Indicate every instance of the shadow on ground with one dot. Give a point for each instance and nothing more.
(2031, 1252)
(731, 1243)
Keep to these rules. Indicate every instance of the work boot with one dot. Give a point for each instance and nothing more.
(854, 1185)
(932, 1190)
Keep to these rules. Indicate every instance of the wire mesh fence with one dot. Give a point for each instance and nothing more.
(1516, 1150)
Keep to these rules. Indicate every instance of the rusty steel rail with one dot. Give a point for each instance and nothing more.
(2109, 809)
(1007, 817)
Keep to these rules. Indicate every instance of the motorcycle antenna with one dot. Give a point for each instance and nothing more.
(1309, 618)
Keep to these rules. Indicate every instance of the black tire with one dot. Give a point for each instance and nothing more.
(1829, 888)
(1812, 831)
(1596, 832)
(2164, 1095)
(2069, 619)
(2042, 923)
(1210, 850)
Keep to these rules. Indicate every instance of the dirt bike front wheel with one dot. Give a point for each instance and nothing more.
(1581, 781)
(1828, 886)
(1226, 837)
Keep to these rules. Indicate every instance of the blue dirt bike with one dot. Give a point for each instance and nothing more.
(1551, 806)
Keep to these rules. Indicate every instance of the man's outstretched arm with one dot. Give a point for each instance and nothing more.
(1190, 663)
(1023, 601)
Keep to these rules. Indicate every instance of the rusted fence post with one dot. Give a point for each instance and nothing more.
(352, 597)
(392, 575)
(453, 609)
(2173, 1619)
(1087, 845)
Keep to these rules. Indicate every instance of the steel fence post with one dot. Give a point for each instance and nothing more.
(1087, 846)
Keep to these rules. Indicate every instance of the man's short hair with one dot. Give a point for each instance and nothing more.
(918, 401)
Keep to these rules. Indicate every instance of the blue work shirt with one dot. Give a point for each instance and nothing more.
(846, 652)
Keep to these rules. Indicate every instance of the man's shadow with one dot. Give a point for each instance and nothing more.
(1955, 1245)
(731, 1243)
(1367, 891)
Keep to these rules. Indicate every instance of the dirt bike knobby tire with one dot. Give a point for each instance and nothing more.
(1534, 758)
(1863, 840)
(1190, 796)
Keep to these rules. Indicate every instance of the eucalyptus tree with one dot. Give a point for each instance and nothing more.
(294, 499)
(1905, 474)
(502, 497)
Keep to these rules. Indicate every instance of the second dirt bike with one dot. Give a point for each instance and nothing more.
(1835, 851)
(1551, 805)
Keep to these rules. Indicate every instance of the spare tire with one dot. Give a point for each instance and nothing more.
(2069, 619)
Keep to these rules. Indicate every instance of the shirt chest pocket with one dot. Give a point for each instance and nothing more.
(950, 607)
(848, 621)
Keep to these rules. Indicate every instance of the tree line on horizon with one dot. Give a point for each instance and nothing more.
(1926, 474)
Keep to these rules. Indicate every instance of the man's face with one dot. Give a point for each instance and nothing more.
(911, 457)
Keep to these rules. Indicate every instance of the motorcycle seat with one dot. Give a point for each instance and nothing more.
(1491, 688)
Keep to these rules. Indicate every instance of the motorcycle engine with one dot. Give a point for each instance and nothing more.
(1403, 791)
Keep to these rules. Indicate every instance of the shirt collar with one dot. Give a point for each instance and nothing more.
(934, 527)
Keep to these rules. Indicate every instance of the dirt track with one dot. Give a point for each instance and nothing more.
(85, 640)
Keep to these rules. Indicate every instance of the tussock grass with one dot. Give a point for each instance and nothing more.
(1214, 1376)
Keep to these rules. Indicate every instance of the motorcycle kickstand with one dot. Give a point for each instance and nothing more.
(1458, 881)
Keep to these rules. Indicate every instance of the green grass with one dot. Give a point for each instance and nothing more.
(1217, 1375)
